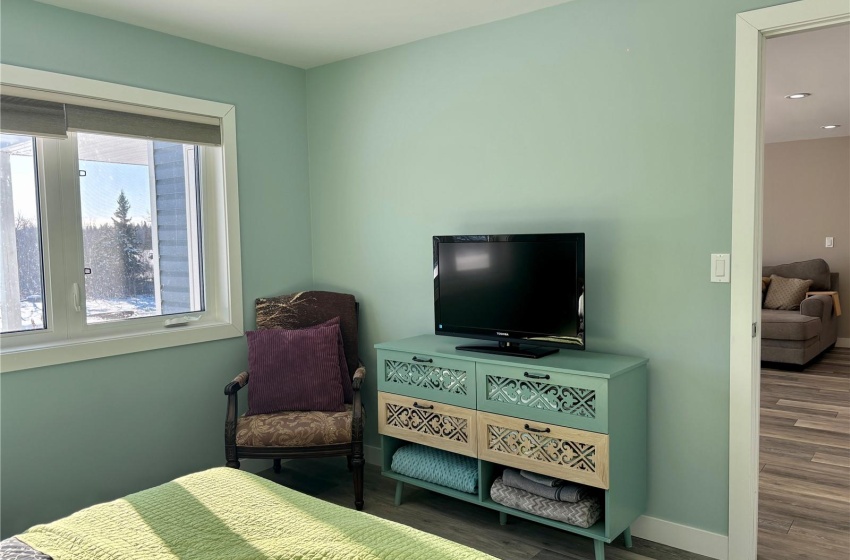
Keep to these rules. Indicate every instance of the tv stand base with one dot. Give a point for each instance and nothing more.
(510, 349)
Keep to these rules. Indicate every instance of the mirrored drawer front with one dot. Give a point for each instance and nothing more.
(576, 401)
(429, 377)
(429, 423)
(556, 451)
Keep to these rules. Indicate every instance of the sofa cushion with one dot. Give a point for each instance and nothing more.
(816, 270)
(785, 293)
(788, 325)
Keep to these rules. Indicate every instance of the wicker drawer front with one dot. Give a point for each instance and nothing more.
(556, 451)
(427, 377)
(563, 399)
(429, 423)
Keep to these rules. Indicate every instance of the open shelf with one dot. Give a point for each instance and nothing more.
(472, 498)
(487, 473)
(595, 531)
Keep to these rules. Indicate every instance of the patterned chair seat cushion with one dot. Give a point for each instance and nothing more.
(294, 429)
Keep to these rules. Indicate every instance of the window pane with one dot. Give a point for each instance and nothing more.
(141, 240)
(21, 277)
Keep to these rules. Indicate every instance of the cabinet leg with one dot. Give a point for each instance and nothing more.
(598, 550)
(503, 518)
(399, 488)
(627, 537)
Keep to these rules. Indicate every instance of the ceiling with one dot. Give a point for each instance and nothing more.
(306, 33)
(816, 62)
(309, 33)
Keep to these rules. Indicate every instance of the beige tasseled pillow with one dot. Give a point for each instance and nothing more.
(786, 293)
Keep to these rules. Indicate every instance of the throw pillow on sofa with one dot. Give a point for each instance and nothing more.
(786, 293)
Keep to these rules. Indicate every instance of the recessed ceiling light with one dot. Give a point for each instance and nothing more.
(830, 126)
(797, 95)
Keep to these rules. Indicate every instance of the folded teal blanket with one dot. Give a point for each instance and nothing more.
(437, 466)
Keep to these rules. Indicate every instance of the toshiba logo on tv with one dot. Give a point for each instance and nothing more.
(502, 333)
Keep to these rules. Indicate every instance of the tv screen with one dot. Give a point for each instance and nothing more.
(511, 288)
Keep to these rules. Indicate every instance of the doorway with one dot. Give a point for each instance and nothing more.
(752, 29)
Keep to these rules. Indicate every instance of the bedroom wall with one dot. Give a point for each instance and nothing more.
(806, 199)
(92, 431)
(613, 118)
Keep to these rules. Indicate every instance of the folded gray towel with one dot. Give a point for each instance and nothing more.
(566, 492)
(541, 478)
(584, 513)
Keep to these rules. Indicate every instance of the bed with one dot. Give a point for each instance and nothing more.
(229, 514)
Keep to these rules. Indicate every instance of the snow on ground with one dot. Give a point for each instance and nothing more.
(103, 310)
(97, 310)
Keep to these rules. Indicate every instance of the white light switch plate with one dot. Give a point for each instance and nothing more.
(720, 267)
(829, 241)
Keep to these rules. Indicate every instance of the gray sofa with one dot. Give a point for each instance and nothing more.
(797, 337)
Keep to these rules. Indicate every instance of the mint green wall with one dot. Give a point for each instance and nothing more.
(91, 431)
(612, 118)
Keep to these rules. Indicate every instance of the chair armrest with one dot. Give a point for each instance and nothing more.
(359, 376)
(817, 306)
(238, 382)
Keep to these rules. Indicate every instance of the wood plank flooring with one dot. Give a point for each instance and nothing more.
(462, 522)
(804, 483)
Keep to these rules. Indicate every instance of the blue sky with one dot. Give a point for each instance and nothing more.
(103, 182)
(99, 189)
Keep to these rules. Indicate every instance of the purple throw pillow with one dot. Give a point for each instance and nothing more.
(294, 370)
(347, 389)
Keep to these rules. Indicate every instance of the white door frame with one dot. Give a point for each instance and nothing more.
(745, 349)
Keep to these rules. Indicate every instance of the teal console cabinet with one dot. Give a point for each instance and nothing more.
(578, 416)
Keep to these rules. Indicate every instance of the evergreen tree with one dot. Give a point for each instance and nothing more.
(130, 254)
(29, 256)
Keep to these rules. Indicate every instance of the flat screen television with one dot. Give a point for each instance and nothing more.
(524, 291)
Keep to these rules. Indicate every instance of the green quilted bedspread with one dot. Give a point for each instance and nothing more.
(228, 514)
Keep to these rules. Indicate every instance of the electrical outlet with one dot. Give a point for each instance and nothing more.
(829, 241)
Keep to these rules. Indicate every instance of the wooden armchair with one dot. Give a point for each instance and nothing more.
(302, 434)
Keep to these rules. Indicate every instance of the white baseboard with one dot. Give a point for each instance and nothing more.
(649, 528)
(842, 343)
(372, 454)
(681, 536)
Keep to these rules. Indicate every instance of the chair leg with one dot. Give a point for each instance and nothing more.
(357, 463)
(231, 456)
(276, 466)
(350, 465)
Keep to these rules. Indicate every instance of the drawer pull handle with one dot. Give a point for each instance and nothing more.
(535, 375)
(423, 407)
(530, 429)
(423, 360)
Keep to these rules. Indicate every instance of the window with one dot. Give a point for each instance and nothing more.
(21, 273)
(140, 227)
(119, 228)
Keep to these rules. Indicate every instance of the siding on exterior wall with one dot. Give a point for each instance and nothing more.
(171, 223)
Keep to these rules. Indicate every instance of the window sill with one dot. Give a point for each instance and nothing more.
(66, 351)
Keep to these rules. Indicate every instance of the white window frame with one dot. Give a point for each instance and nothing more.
(67, 338)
